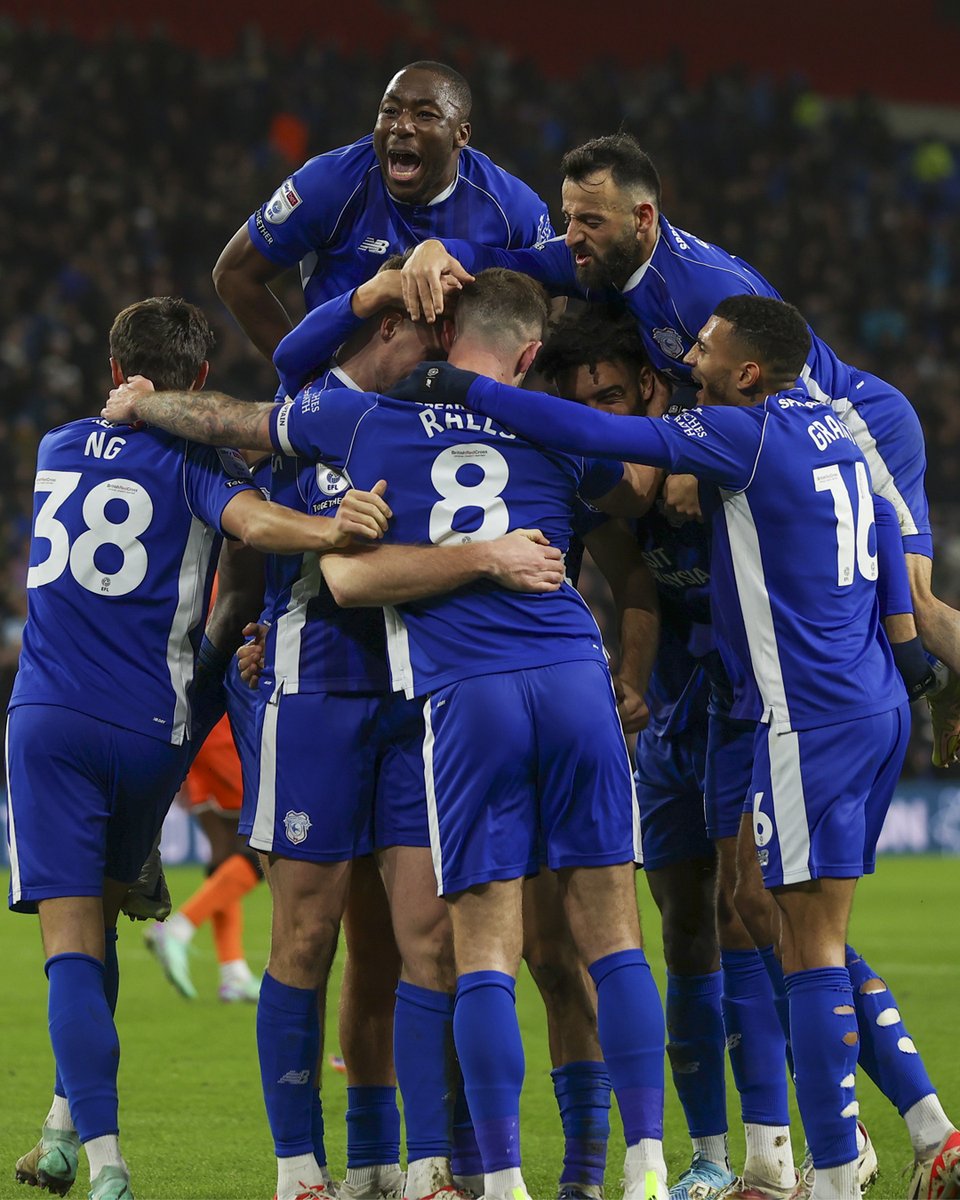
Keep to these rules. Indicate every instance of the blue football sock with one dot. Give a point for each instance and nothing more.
(288, 1042)
(583, 1096)
(632, 1035)
(488, 1044)
(465, 1157)
(755, 1038)
(373, 1126)
(85, 1042)
(825, 1058)
(427, 1073)
(111, 989)
(775, 974)
(899, 1073)
(695, 1047)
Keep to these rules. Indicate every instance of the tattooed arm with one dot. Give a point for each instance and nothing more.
(209, 417)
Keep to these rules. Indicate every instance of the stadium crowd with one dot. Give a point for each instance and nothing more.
(128, 162)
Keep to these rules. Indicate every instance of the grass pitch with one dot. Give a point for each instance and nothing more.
(192, 1117)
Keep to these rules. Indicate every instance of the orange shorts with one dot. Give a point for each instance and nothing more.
(214, 780)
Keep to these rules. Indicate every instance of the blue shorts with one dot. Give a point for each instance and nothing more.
(819, 796)
(522, 759)
(730, 749)
(337, 772)
(887, 429)
(669, 783)
(85, 801)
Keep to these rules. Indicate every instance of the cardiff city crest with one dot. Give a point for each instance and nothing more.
(296, 826)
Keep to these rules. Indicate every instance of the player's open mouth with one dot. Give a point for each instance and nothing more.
(403, 164)
(582, 259)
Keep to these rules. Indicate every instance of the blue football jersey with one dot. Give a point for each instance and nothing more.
(455, 478)
(335, 217)
(314, 645)
(126, 532)
(308, 347)
(793, 580)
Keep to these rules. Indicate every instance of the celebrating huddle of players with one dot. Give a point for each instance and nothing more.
(433, 743)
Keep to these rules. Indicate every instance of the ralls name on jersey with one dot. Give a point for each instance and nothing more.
(669, 342)
(436, 418)
(374, 245)
(688, 423)
(824, 433)
(282, 203)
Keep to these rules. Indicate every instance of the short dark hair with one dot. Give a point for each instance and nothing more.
(598, 334)
(501, 302)
(618, 153)
(164, 338)
(771, 329)
(395, 261)
(459, 88)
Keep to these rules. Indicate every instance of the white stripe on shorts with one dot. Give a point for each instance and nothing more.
(11, 828)
(265, 815)
(433, 820)
(789, 805)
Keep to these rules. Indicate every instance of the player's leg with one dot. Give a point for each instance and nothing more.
(939, 627)
(312, 815)
(811, 791)
(366, 1011)
(105, 791)
(590, 825)
(427, 1071)
(754, 1034)
(580, 1080)
(481, 803)
(679, 861)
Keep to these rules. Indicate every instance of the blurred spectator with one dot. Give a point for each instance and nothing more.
(128, 164)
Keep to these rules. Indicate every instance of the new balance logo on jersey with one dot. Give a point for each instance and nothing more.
(374, 245)
(295, 1077)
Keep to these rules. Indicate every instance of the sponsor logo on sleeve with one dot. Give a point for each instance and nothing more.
(262, 229)
(687, 423)
(282, 203)
(669, 342)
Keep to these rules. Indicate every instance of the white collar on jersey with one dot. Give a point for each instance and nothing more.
(345, 378)
(641, 270)
(444, 195)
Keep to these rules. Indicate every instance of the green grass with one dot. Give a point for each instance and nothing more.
(192, 1116)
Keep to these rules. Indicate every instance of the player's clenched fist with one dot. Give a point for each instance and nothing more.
(361, 515)
(524, 561)
(122, 404)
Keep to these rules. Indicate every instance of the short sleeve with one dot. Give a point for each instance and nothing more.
(212, 477)
(600, 476)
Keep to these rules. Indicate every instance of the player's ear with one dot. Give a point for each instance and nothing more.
(201, 378)
(448, 334)
(525, 361)
(116, 372)
(644, 218)
(750, 376)
(462, 135)
(389, 324)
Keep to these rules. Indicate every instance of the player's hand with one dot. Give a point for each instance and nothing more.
(384, 290)
(121, 407)
(361, 515)
(250, 654)
(631, 706)
(524, 561)
(427, 275)
(681, 499)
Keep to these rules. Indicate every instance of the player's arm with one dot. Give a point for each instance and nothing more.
(310, 346)
(275, 529)
(242, 277)
(371, 577)
(634, 494)
(613, 547)
(896, 603)
(239, 594)
(208, 417)
(424, 271)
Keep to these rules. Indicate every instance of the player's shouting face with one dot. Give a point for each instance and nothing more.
(602, 230)
(420, 131)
